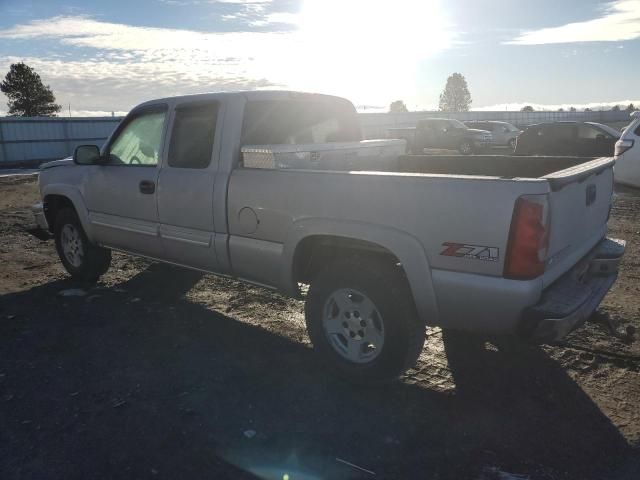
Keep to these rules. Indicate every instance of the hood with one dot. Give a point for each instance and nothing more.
(57, 163)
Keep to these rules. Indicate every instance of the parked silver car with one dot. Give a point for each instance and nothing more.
(504, 133)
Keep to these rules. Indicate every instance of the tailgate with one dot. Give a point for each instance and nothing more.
(580, 201)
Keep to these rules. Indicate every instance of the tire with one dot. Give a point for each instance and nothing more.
(83, 260)
(466, 148)
(361, 319)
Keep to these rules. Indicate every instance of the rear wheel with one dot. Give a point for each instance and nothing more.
(83, 260)
(361, 319)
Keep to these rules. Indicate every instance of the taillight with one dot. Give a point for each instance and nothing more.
(528, 238)
(622, 146)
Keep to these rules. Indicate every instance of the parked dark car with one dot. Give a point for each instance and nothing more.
(574, 139)
(443, 134)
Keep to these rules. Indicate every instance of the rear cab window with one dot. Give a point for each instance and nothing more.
(295, 122)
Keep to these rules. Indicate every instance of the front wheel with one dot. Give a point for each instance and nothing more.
(83, 260)
(361, 319)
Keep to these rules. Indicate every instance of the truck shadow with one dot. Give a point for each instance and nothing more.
(162, 387)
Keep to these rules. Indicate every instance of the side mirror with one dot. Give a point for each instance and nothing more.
(86, 155)
(505, 129)
(600, 137)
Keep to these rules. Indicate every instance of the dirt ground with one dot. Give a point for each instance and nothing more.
(158, 372)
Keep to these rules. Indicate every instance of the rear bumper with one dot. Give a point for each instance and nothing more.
(570, 300)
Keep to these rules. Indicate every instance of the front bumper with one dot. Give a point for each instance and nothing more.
(572, 298)
(40, 218)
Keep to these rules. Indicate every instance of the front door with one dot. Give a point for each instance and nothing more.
(121, 193)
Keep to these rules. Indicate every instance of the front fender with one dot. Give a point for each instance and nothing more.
(402, 245)
(74, 195)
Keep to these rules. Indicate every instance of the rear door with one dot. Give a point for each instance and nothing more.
(186, 184)
(445, 135)
(499, 132)
(561, 139)
(425, 136)
(595, 142)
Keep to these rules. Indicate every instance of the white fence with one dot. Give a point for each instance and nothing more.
(25, 139)
(34, 140)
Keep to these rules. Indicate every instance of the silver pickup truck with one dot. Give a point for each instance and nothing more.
(277, 189)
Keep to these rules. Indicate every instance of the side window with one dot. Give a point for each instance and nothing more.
(586, 132)
(192, 138)
(637, 131)
(139, 142)
(441, 126)
(563, 132)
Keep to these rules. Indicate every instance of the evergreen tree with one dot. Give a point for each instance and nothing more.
(28, 96)
(455, 97)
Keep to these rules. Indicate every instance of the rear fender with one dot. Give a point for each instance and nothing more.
(406, 248)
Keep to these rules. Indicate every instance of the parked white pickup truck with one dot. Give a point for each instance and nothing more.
(275, 188)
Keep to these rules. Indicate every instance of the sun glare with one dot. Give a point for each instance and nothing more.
(366, 49)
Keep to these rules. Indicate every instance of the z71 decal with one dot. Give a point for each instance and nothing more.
(476, 252)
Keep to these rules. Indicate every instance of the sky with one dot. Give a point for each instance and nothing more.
(107, 56)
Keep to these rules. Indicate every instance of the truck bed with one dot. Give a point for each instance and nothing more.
(503, 166)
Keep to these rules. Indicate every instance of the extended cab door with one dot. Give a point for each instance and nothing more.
(120, 194)
(186, 184)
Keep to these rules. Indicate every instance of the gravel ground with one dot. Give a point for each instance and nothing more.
(158, 372)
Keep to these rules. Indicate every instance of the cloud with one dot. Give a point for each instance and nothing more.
(98, 65)
(620, 21)
(252, 13)
(126, 64)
